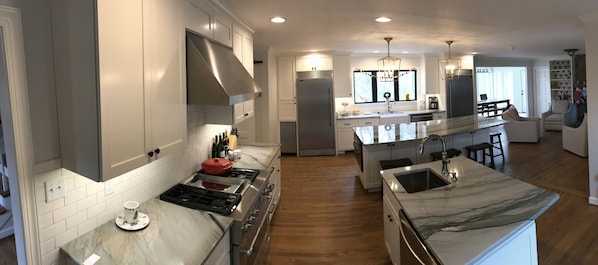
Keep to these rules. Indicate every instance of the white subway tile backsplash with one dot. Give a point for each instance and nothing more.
(87, 226)
(73, 196)
(86, 203)
(51, 258)
(45, 220)
(107, 216)
(94, 188)
(52, 231)
(65, 237)
(47, 246)
(64, 212)
(96, 210)
(43, 208)
(76, 220)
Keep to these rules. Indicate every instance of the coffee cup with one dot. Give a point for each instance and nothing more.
(131, 212)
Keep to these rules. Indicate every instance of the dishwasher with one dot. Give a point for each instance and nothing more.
(412, 247)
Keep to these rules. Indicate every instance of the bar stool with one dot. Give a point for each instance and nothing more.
(487, 150)
(449, 154)
(496, 141)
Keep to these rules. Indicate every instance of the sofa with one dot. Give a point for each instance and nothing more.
(559, 114)
(575, 139)
(521, 129)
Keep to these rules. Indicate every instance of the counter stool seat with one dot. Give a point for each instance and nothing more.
(487, 149)
(449, 153)
(496, 141)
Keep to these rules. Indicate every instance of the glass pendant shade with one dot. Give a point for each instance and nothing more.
(449, 67)
(388, 65)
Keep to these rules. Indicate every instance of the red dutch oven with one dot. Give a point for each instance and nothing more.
(216, 166)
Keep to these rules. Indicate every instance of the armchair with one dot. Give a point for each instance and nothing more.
(559, 114)
(520, 129)
(575, 139)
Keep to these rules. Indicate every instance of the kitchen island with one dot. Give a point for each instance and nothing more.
(387, 142)
(475, 220)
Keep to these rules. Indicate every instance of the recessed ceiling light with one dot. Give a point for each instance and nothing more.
(278, 20)
(383, 19)
(474, 53)
(376, 51)
(313, 50)
(405, 52)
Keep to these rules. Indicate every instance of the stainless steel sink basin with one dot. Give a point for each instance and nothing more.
(420, 180)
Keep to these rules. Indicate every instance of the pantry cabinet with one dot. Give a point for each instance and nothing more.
(287, 100)
(313, 62)
(120, 83)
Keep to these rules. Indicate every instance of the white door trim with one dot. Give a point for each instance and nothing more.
(14, 108)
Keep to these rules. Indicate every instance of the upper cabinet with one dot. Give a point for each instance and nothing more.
(287, 101)
(432, 74)
(120, 83)
(342, 76)
(313, 62)
(208, 21)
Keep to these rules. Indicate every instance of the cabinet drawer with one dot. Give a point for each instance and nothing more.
(344, 123)
(368, 122)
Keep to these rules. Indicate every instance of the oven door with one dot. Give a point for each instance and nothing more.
(358, 151)
(255, 245)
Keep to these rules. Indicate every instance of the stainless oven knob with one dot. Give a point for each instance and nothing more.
(246, 227)
(246, 252)
(255, 212)
(250, 219)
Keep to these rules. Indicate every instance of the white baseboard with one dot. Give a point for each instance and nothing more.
(593, 200)
(6, 225)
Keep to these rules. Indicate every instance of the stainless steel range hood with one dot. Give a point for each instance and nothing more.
(214, 75)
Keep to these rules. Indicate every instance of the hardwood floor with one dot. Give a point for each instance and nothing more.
(325, 216)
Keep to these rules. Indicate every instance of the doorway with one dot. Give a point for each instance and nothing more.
(14, 114)
(504, 83)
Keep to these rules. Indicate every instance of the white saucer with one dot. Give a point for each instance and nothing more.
(142, 222)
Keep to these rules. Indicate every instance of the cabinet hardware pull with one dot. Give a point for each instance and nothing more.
(157, 151)
(150, 154)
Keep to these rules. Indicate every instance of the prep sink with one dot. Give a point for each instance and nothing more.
(420, 180)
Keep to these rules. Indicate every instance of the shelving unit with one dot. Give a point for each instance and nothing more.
(561, 79)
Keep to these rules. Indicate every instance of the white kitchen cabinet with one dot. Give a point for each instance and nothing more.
(368, 122)
(275, 181)
(373, 154)
(287, 101)
(344, 135)
(432, 75)
(120, 83)
(221, 253)
(518, 249)
(342, 76)
(392, 225)
(208, 21)
(313, 62)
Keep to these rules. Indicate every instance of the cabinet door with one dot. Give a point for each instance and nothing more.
(198, 17)
(248, 53)
(287, 110)
(431, 73)
(342, 76)
(243, 111)
(223, 29)
(120, 55)
(286, 78)
(313, 62)
(392, 231)
(368, 122)
(344, 139)
(165, 81)
(439, 115)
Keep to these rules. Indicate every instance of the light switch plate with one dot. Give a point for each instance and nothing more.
(108, 188)
(55, 189)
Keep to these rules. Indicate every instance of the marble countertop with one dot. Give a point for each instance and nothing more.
(383, 134)
(461, 222)
(175, 235)
(256, 156)
(377, 115)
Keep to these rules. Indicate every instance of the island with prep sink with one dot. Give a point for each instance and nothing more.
(480, 216)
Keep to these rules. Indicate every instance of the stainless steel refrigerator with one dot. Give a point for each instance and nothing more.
(315, 113)
(460, 98)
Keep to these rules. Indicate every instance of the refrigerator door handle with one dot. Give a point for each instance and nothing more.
(331, 109)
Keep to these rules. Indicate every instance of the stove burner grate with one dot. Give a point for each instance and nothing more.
(201, 199)
(242, 173)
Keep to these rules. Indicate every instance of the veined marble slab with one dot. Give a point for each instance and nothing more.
(256, 156)
(384, 134)
(461, 222)
(175, 235)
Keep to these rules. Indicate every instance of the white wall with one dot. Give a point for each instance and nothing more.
(591, 31)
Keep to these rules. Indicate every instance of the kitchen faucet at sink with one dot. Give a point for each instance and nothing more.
(444, 158)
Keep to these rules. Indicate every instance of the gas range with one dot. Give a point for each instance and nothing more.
(202, 199)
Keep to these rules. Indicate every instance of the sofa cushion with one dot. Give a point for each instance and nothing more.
(559, 106)
(554, 118)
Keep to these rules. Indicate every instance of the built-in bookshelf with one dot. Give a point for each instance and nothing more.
(561, 79)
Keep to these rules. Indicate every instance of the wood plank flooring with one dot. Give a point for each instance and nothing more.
(325, 216)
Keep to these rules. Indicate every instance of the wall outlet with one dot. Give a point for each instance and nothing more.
(55, 189)
(108, 188)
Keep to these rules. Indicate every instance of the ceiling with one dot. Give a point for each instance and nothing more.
(500, 28)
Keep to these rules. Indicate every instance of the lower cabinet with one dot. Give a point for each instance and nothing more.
(275, 181)
(221, 253)
(344, 135)
(373, 154)
(392, 226)
(518, 249)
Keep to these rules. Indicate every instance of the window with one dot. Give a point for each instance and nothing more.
(369, 89)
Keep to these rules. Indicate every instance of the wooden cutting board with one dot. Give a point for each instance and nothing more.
(232, 142)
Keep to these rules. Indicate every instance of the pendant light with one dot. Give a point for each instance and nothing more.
(449, 66)
(388, 64)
